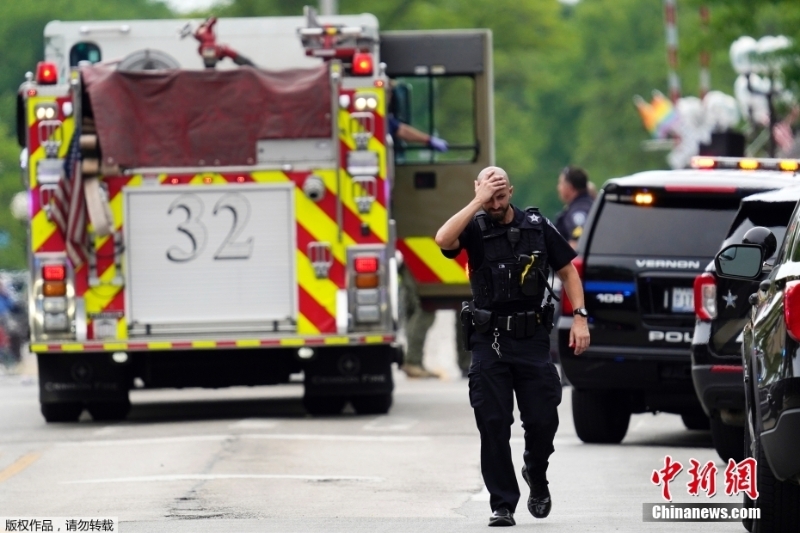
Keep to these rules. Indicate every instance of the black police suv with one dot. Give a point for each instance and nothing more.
(771, 371)
(721, 309)
(646, 239)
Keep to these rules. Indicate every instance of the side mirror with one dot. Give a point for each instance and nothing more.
(740, 261)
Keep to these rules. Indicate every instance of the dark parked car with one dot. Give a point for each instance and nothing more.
(722, 309)
(646, 239)
(771, 368)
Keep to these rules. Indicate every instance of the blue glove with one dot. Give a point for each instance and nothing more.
(440, 145)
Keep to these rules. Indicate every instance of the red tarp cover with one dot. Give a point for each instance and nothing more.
(203, 117)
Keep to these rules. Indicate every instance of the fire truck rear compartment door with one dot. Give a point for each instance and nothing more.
(210, 260)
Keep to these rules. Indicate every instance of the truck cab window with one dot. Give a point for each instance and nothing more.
(442, 106)
(84, 51)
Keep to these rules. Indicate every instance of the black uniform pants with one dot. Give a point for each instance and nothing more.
(523, 367)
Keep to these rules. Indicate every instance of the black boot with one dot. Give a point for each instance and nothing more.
(539, 503)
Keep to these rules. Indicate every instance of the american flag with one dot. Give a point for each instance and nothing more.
(69, 204)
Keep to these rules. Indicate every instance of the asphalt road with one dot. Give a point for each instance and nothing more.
(250, 460)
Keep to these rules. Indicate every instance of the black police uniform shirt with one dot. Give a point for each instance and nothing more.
(570, 221)
(559, 252)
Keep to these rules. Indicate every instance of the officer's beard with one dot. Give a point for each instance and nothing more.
(498, 215)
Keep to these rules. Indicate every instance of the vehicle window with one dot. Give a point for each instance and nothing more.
(773, 216)
(443, 106)
(84, 51)
(629, 229)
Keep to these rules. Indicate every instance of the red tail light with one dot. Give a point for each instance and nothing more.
(791, 309)
(46, 73)
(362, 64)
(366, 264)
(54, 272)
(705, 296)
(722, 369)
(566, 305)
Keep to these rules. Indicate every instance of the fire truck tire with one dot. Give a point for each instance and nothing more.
(324, 405)
(600, 416)
(62, 412)
(109, 411)
(372, 404)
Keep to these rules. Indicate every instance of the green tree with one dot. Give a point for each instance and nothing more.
(21, 47)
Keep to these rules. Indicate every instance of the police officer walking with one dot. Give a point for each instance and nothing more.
(574, 193)
(510, 253)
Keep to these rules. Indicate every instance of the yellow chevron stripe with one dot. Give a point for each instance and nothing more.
(66, 130)
(122, 328)
(115, 346)
(305, 326)
(161, 345)
(72, 347)
(377, 218)
(269, 176)
(204, 344)
(315, 221)
(428, 251)
(322, 290)
(292, 342)
(248, 343)
(36, 348)
(41, 230)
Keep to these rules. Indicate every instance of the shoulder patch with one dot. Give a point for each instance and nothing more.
(577, 232)
(578, 218)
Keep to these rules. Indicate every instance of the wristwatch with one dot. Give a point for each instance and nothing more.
(580, 311)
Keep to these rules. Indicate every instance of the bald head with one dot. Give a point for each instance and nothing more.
(494, 180)
(493, 171)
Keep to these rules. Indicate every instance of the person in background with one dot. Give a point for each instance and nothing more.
(574, 193)
(418, 320)
(417, 323)
(405, 132)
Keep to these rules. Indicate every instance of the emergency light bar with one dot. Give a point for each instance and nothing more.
(745, 163)
(331, 30)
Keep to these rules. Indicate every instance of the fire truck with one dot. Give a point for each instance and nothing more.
(230, 213)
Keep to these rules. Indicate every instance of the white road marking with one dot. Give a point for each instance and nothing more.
(345, 438)
(157, 440)
(254, 423)
(482, 496)
(211, 477)
(383, 423)
(254, 436)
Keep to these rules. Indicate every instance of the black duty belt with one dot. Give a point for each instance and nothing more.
(519, 325)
